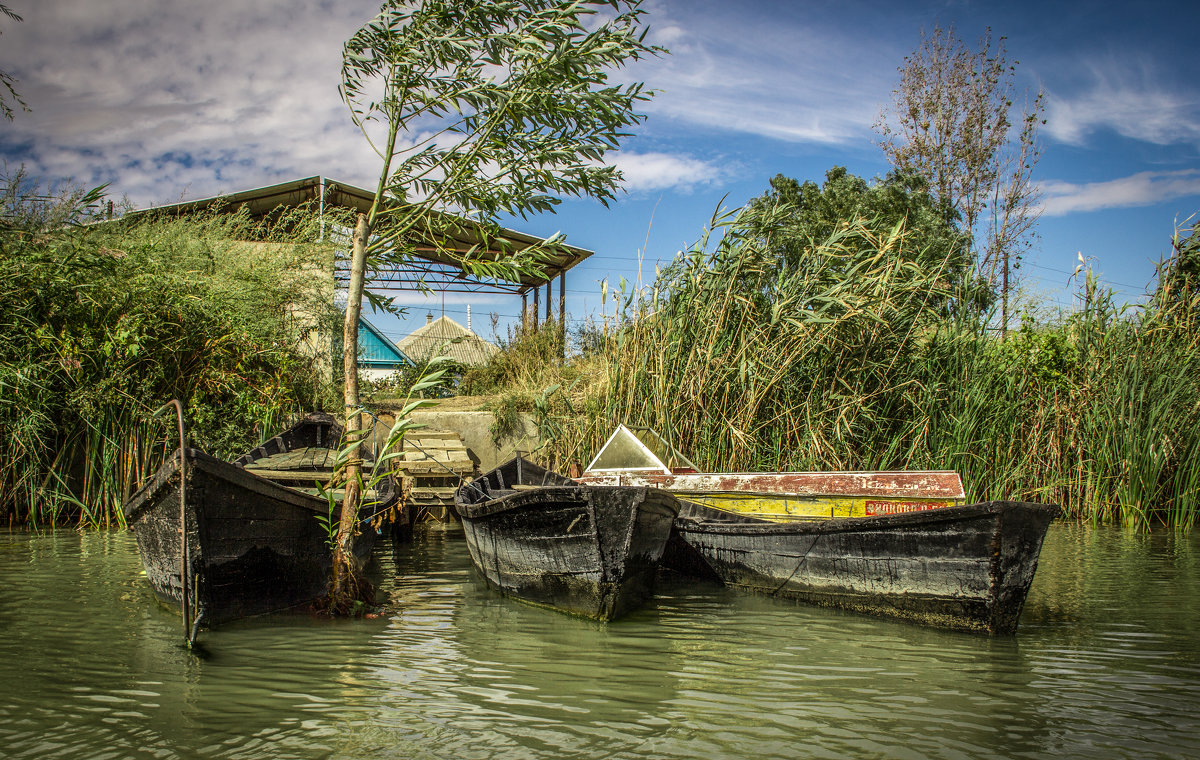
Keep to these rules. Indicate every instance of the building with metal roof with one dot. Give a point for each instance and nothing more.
(435, 265)
(378, 357)
(445, 337)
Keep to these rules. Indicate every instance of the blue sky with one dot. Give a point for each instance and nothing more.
(170, 99)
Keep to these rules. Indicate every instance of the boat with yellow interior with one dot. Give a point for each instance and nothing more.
(641, 457)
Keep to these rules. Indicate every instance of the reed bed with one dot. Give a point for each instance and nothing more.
(103, 323)
(867, 355)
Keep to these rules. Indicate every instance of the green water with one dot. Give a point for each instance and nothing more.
(1106, 665)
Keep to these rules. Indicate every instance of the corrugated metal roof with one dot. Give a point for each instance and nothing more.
(445, 337)
(458, 234)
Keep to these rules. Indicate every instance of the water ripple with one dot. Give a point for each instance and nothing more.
(1106, 665)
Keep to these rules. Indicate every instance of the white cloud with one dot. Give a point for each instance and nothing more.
(202, 98)
(1141, 189)
(1129, 99)
(659, 171)
(189, 100)
(209, 97)
(730, 70)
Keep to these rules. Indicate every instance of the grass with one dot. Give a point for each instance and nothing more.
(864, 352)
(859, 358)
(101, 324)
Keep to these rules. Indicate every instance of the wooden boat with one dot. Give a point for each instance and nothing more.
(641, 457)
(965, 567)
(254, 542)
(545, 539)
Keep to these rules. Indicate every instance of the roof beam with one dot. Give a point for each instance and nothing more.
(462, 235)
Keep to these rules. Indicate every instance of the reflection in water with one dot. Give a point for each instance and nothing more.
(1106, 664)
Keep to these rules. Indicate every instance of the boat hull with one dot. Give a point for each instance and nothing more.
(583, 550)
(257, 535)
(966, 568)
(254, 546)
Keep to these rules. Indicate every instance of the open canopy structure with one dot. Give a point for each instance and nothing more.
(429, 268)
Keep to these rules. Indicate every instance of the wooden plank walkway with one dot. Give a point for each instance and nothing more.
(434, 464)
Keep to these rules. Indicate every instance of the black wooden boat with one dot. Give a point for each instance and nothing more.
(545, 539)
(255, 541)
(966, 567)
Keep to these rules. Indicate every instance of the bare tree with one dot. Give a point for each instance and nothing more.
(951, 122)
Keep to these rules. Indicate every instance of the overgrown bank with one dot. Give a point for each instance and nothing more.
(863, 351)
(101, 324)
(773, 344)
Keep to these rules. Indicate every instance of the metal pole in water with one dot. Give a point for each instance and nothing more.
(184, 577)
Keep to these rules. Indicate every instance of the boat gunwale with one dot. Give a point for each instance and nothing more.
(236, 473)
(144, 497)
(741, 525)
(517, 499)
(927, 485)
(283, 441)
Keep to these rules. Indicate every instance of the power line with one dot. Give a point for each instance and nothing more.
(477, 313)
(1101, 278)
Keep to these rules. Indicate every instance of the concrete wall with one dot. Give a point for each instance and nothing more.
(473, 428)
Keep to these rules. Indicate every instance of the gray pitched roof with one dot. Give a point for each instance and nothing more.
(438, 338)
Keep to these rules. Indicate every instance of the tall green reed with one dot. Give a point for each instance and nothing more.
(866, 355)
(102, 324)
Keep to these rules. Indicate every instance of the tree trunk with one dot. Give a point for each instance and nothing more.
(345, 572)
(1004, 297)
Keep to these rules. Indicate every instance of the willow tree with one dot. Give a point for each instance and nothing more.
(8, 90)
(478, 109)
(955, 123)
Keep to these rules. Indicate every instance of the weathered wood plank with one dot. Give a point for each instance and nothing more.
(590, 551)
(959, 567)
